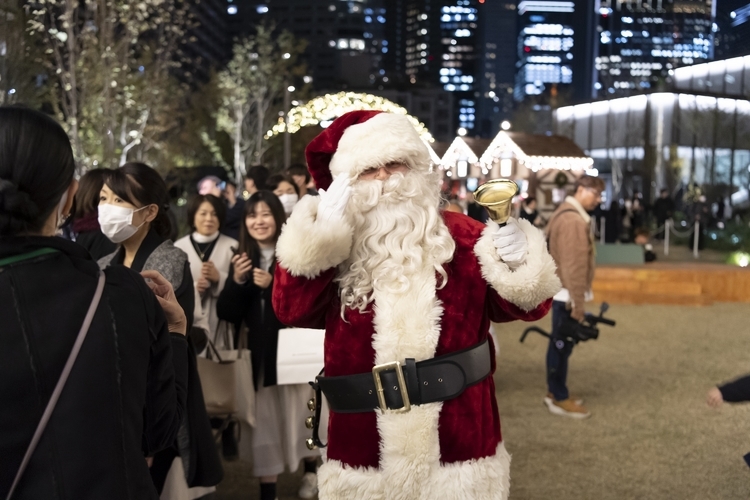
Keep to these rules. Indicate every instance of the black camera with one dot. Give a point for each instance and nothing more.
(578, 332)
(574, 331)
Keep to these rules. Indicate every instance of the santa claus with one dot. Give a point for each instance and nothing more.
(406, 294)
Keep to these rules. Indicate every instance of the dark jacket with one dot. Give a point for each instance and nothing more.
(126, 394)
(89, 235)
(195, 443)
(251, 305)
(234, 219)
(531, 217)
(736, 391)
(663, 209)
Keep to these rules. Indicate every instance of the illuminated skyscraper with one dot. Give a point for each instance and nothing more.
(346, 37)
(640, 41)
(440, 47)
(556, 48)
(732, 38)
(463, 46)
(498, 28)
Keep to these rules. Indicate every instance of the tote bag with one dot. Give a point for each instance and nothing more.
(243, 372)
(218, 381)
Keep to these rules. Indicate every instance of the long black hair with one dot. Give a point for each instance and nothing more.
(141, 185)
(247, 243)
(36, 168)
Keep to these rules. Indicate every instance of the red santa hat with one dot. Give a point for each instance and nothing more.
(359, 140)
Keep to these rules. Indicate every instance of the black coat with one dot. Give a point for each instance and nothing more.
(96, 243)
(251, 304)
(234, 219)
(196, 444)
(663, 209)
(126, 394)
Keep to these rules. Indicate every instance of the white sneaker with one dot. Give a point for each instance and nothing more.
(309, 486)
(548, 399)
(567, 408)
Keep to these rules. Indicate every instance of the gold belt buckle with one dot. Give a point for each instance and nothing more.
(394, 365)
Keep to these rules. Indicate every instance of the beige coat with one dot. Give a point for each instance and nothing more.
(205, 308)
(572, 247)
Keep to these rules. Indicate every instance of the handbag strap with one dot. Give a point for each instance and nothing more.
(211, 347)
(60, 383)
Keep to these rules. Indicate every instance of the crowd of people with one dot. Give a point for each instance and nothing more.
(96, 284)
(136, 372)
(111, 405)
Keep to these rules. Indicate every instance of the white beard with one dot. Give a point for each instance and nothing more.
(398, 230)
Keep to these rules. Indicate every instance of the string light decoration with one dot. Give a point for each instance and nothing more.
(458, 150)
(324, 109)
(502, 142)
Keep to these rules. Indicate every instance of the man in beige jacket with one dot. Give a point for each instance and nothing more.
(571, 245)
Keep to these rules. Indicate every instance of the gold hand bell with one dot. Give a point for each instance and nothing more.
(496, 196)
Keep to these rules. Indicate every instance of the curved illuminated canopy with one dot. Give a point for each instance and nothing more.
(324, 109)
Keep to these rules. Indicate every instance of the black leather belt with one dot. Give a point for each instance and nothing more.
(397, 386)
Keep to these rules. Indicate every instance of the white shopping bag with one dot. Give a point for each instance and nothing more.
(299, 357)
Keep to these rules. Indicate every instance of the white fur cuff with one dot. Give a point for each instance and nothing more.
(529, 284)
(308, 246)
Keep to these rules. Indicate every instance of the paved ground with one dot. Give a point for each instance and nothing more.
(651, 435)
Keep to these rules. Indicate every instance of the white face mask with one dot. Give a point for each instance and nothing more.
(288, 200)
(117, 222)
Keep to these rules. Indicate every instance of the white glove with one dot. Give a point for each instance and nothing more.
(511, 243)
(333, 202)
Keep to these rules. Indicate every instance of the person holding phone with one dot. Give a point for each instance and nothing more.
(278, 439)
(125, 397)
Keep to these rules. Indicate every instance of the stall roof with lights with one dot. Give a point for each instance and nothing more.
(537, 152)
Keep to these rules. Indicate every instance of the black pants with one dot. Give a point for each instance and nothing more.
(558, 352)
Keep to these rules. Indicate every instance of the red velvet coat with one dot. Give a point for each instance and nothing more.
(480, 289)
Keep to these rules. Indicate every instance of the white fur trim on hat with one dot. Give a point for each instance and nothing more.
(532, 282)
(307, 245)
(382, 139)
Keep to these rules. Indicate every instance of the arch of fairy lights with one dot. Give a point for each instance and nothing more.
(324, 109)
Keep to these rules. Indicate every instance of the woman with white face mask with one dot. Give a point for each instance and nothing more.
(132, 213)
(286, 189)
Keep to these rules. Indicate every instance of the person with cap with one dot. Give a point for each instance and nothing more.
(406, 294)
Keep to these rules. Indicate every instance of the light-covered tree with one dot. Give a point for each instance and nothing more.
(111, 64)
(252, 90)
